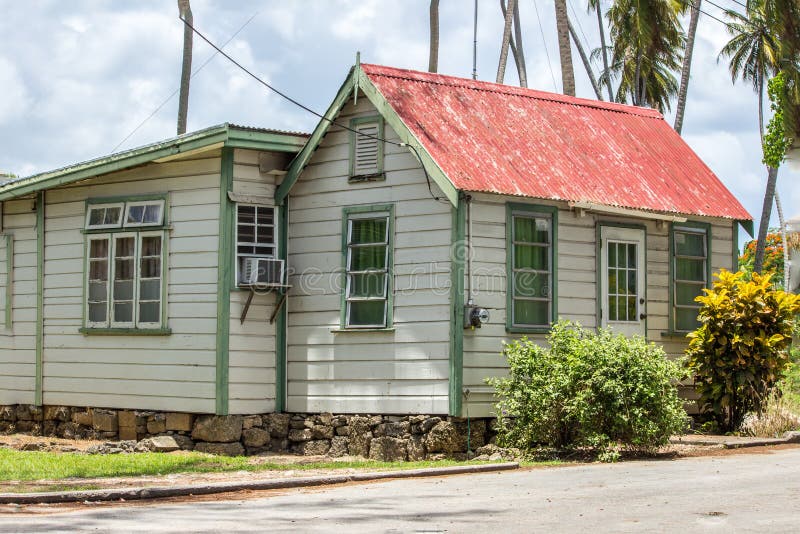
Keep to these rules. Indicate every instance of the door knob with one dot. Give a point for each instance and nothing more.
(642, 316)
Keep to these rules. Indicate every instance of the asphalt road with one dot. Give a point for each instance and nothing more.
(740, 493)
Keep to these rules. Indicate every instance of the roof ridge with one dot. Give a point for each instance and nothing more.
(475, 85)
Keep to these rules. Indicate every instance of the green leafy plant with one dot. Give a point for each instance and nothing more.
(597, 390)
(739, 352)
(773, 257)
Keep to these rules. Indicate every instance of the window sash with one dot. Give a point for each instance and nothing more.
(113, 223)
(374, 306)
(253, 248)
(681, 264)
(147, 205)
(522, 303)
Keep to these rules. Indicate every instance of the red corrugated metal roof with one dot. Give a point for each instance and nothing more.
(509, 140)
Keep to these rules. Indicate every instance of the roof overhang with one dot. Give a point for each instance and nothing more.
(224, 135)
(357, 79)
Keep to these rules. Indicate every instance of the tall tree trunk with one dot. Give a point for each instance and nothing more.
(604, 50)
(586, 64)
(433, 56)
(687, 65)
(782, 222)
(763, 225)
(637, 78)
(186, 69)
(519, 53)
(564, 49)
(501, 66)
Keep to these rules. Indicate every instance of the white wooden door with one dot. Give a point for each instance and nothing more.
(622, 279)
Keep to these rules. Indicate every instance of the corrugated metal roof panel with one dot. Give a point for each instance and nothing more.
(508, 140)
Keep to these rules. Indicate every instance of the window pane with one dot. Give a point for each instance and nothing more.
(98, 270)
(123, 312)
(112, 215)
(151, 246)
(531, 312)
(530, 257)
(96, 216)
(265, 234)
(631, 256)
(531, 229)
(123, 290)
(265, 216)
(135, 214)
(370, 312)
(622, 287)
(613, 313)
(123, 269)
(632, 282)
(686, 319)
(622, 255)
(685, 293)
(368, 230)
(98, 248)
(149, 312)
(690, 244)
(97, 312)
(247, 214)
(150, 290)
(531, 285)
(368, 285)
(125, 247)
(612, 254)
(247, 234)
(98, 292)
(371, 257)
(151, 268)
(632, 309)
(152, 214)
(612, 281)
(690, 269)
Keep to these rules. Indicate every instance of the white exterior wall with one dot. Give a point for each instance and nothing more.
(18, 345)
(400, 371)
(174, 372)
(577, 278)
(252, 344)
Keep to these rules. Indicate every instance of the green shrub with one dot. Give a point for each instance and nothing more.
(588, 390)
(740, 350)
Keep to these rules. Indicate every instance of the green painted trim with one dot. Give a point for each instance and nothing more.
(361, 330)
(128, 198)
(224, 280)
(126, 331)
(9, 300)
(552, 211)
(735, 246)
(40, 219)
(282, 321)
(346, 212)
(748, 227)
(389, 115)
(381, 144)
(672, 331)
(304, 156)
(599, 272)
(227, 134)
(458, 252)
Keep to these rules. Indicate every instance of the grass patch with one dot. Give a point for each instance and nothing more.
(29, 465)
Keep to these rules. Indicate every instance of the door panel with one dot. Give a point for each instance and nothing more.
(622, 280)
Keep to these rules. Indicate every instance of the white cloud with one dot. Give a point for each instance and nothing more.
(15, 101)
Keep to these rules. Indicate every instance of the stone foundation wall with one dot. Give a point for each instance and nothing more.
(378, 437)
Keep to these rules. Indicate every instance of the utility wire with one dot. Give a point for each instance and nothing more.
(544, 42)
(164, 103)
(580, 26)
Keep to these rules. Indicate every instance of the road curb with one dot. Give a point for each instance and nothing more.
(737, 442)
(160, 492)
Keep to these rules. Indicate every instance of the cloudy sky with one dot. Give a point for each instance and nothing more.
(78, 78)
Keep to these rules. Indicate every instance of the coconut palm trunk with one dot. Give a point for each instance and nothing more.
(603, 49)
(564, 48)
(519, 53)
(687, 66)
(433, 56)
(763, 225)
(509, 22)
(186, 69)
(585, 60)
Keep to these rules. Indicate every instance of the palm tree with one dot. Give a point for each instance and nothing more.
(564, 49)
(585, 59)
(515, 42)
(509, 20)
(595, 4)
(687, 65)
(433, 56)
(753, 52)
(186, 69)
(647, 39)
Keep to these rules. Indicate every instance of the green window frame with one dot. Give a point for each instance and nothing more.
(531, 267)
(125, 265)
(366, 148)
(6, 278)
(367, 261)
(256, 232)
(690, 272)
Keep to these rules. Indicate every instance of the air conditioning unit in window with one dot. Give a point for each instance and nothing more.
(262, 272)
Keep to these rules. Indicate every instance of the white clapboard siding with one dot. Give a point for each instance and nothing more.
(175, 372)
(577, 293)
(402, 371)
(251, 356)
(18, 344)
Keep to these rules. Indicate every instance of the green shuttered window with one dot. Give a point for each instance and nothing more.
(690, 274)
(368, 267)
(531, 253)
(366, 149)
